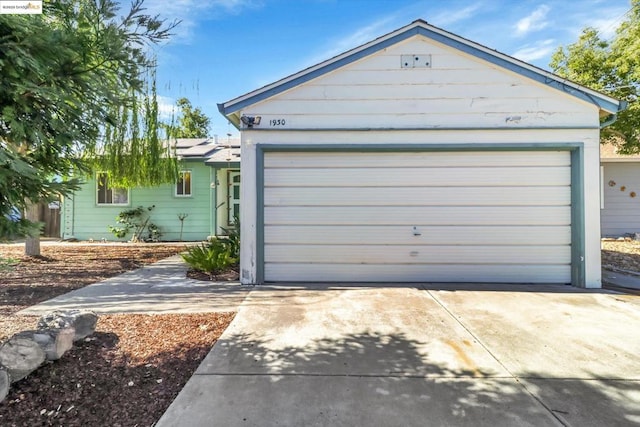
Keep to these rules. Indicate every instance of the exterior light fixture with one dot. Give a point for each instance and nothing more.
(250, 121)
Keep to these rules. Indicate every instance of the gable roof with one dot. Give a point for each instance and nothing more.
(605, 103)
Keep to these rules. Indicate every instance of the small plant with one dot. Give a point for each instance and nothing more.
(232, 241)
(212, 258)
(7, 264)
(181, 218)
(154, 233)
(137, 220)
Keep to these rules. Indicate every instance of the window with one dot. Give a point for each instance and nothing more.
(183, 186)
(108, 195)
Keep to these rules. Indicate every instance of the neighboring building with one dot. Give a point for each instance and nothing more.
(421, 156)
(620, 192)
(207, 192)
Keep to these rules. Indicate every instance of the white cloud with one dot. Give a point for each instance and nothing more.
(354, 39)
(538, 50)
(189, 12)
(448, 18)
(535, 21)
(603, 17)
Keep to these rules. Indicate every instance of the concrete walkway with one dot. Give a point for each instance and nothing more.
(618, 279)
(157, 288)
(415, 356)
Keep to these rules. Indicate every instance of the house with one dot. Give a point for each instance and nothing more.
(207, 192)
(421, 156)
(620, 192)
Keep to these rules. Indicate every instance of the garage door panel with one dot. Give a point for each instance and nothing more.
(418, 196)
(430, 216)
(417, 273)
(412, 215)
(404, 235)
(417, 159)
(415, 254)
(417, 177)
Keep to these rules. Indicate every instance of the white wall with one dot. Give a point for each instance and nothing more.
(621, 212)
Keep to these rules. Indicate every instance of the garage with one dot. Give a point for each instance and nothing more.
(421, 156)
(443, 216)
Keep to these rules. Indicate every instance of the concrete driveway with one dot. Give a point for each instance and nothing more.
(416, 356)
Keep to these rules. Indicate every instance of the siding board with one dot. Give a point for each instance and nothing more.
(419, 159)
(414, 254)
(316, 92)
(417, 177)
(418, 196)
(419, 273)
(429, 235)
(427, 104)
(508, 118)
(411, 215)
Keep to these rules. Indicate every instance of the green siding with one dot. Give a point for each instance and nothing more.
(91, 221)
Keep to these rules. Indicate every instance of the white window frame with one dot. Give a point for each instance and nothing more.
(109, 203)
(181, 180)
(232, 202)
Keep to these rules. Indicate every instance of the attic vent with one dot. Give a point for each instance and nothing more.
(415, 61)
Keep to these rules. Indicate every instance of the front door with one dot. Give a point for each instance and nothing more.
(234, 196)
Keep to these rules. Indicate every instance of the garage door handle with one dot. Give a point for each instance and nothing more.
(416, 232)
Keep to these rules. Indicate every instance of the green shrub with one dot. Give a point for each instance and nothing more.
(232, 241)
(136, 220)
(212, 258)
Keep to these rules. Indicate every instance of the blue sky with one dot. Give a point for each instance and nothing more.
(225, 48)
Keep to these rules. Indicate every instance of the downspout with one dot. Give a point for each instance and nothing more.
(611, 118)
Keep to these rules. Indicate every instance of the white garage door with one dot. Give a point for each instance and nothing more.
(418, 216)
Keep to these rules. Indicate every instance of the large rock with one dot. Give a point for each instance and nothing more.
(54, 342)
(21, 356)
(5, 382)
(82, 321)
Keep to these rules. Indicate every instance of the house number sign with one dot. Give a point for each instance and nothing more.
(277, 122)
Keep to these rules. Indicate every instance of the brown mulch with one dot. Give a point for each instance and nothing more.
(621, 255)
(126, 374)
(229, 275)
(129, 371)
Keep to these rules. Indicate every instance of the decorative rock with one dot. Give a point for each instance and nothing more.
(5, 381)
(83, 321)
(21, 356)
(54, 342)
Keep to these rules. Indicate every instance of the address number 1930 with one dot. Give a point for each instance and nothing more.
(277, 122)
